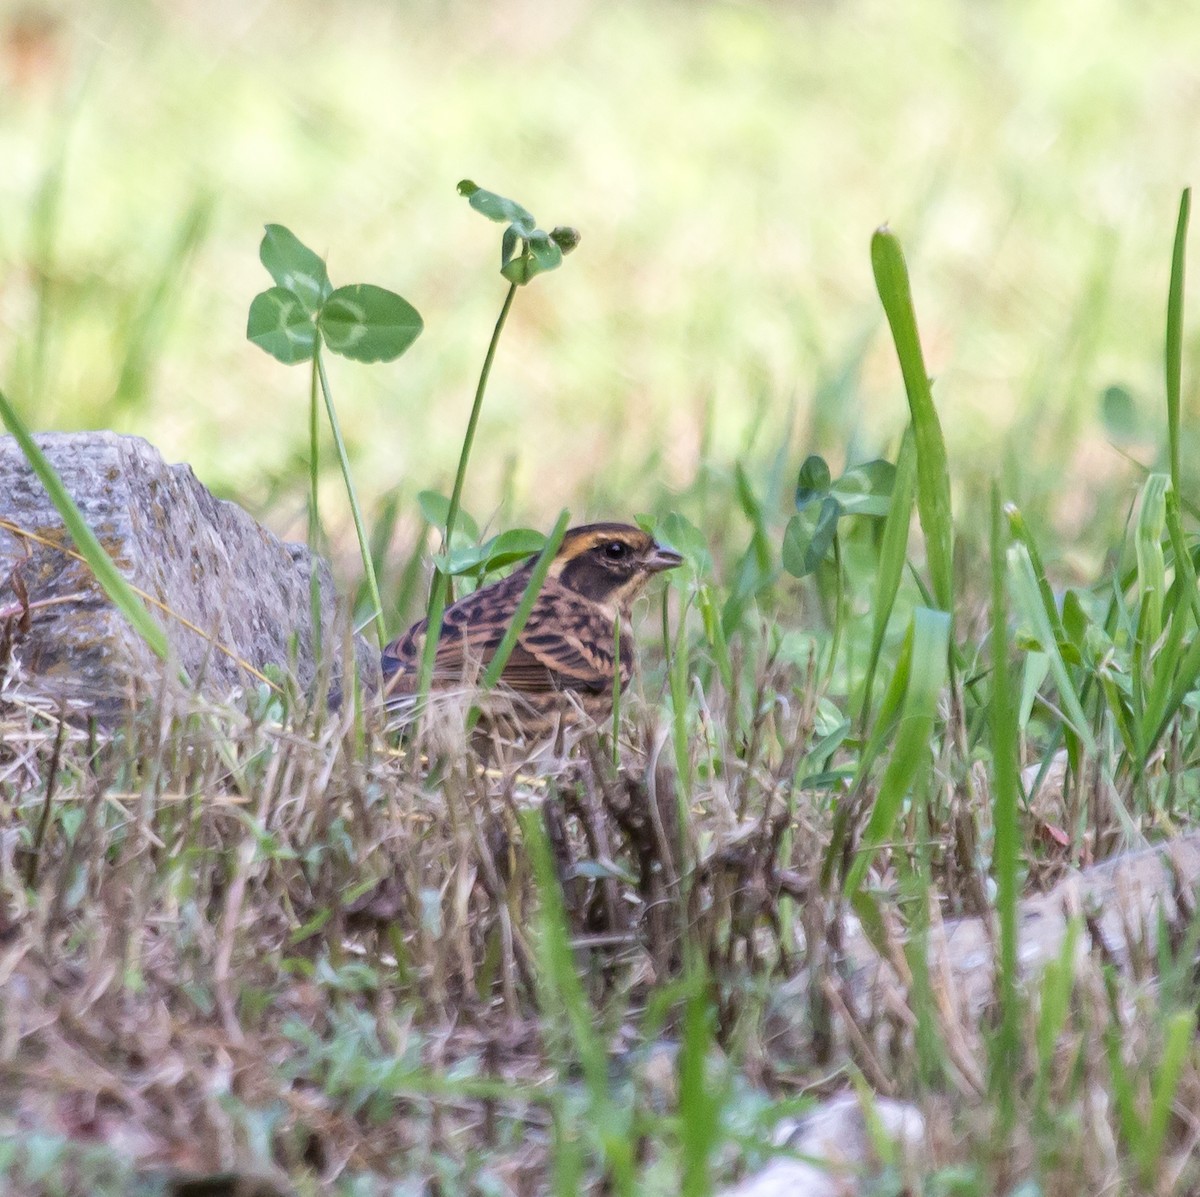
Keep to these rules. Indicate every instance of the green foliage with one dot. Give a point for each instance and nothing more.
(291, 321)
(933, 473)
(767, 807)
(525, 251)
(303, 310)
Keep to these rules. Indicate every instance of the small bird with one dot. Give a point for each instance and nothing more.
(563, 665)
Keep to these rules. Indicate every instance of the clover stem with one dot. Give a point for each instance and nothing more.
(314, 511)
(441, 590)
(364, 545)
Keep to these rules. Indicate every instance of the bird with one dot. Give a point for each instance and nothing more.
(562, 670)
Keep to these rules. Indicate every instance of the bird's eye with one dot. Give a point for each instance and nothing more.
(616, 550)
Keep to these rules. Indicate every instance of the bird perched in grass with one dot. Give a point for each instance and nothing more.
(563, 667)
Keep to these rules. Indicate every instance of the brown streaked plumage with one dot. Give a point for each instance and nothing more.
(565, 658)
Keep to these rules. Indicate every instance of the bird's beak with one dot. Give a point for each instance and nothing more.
(662, 558)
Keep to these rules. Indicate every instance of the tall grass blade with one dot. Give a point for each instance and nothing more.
(700, 1103)
(147, 331)
(1148, 1148)
(564, 1001)
(1029, 600)
(1005, 819)
(933, 472)
(1175, 668)
(1174, 349)
(1151, 580)
(533, 588)
(911, 749)
(892, 555)
(99, 562)
(1058, 981)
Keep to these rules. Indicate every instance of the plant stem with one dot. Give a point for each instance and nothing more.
(364, 545)
(314, 512)
(616, 693)
(469, 439)
(440, 590)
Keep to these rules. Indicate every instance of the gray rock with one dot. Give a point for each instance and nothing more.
(833, 1154)
(209, 564)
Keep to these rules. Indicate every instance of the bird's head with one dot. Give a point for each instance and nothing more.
(610, 563)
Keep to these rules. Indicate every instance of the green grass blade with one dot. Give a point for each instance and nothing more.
(1124, 1091)
(533, 588)
(933, 473)
(101, 564)
(1029, 599)
(1174, 353)
(1175, 668)
(700, 1101)
(849, 808)
(616, 695)
(892, 555)
(147, 331)
(1151, 580)
(678, 655)
(1058, 980)
(563, 1000)
(1148, 1148)
(927, 675)
(1020, 533)
(1006, 821)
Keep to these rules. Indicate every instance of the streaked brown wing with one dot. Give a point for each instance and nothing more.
(565, 645)
(571, 644)
(471, 630)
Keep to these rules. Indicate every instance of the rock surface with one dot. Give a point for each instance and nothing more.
(832, 1150)
(244, 592)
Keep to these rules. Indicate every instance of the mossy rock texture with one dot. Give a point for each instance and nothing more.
(229, 592)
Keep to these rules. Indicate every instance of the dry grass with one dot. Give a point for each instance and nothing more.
(281, 945)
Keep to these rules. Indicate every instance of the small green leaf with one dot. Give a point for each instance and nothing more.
(435, 508)
(497, 207)
(681, 534)
(541, 255)
(504, 549)
(463, 559)
(368, 323)
(547, 254)
(1075, 619)
(512, 546)
(280, 325)
(866, 489)
(808, 536)
(295, 267)
(1118, 412)
(814, 480)
(509, 244)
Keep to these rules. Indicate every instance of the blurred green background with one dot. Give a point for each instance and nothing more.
(726, 164)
